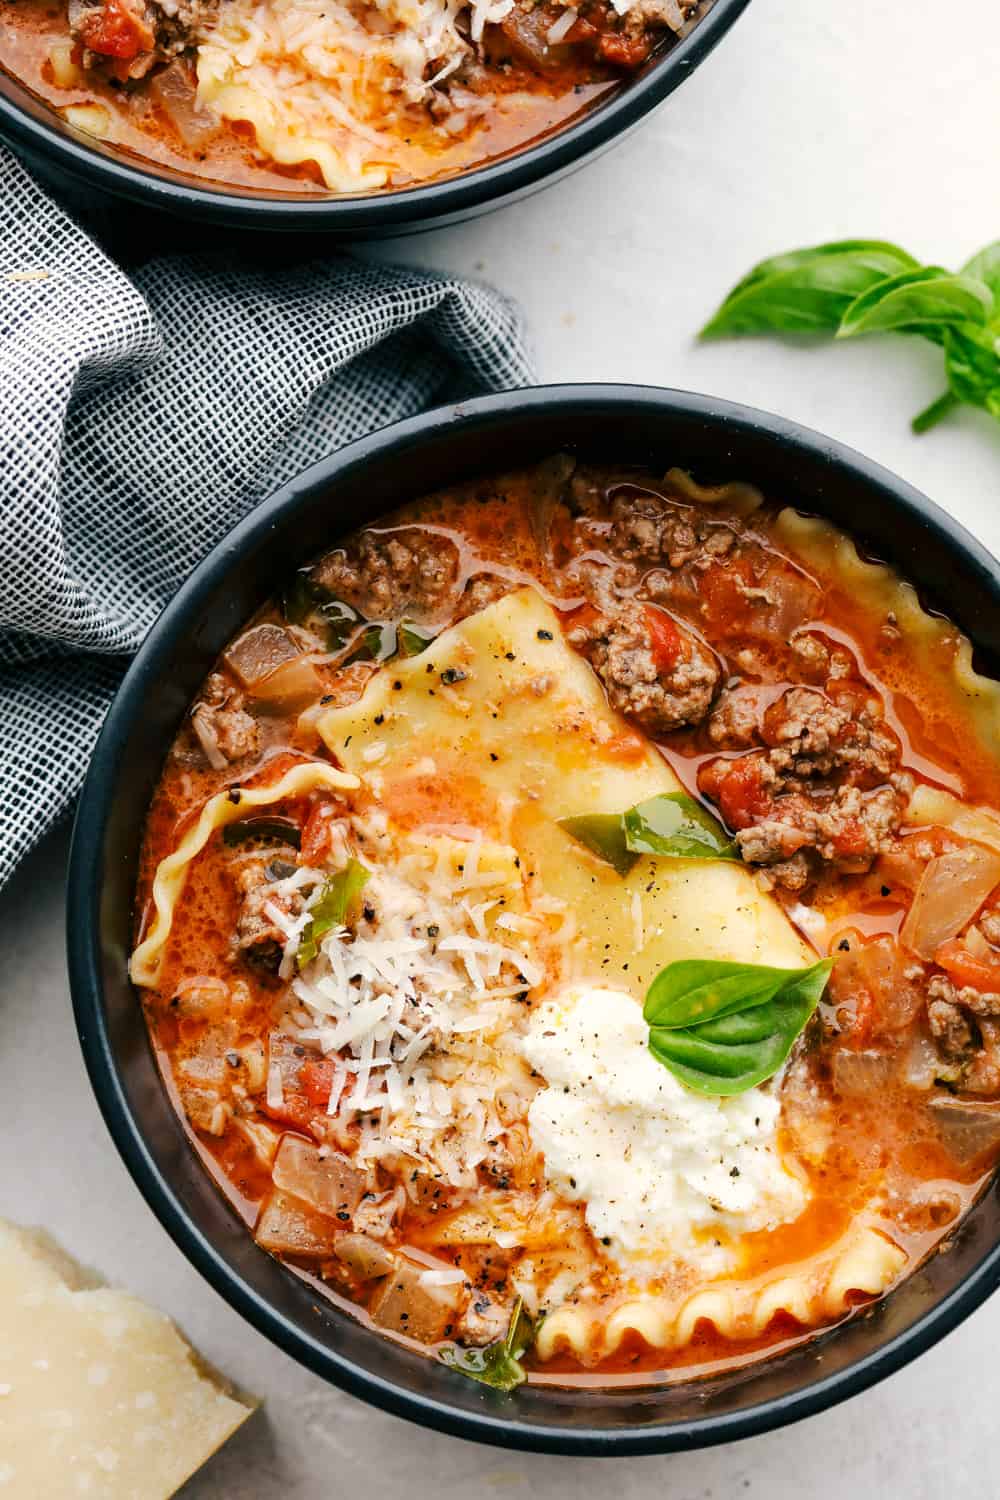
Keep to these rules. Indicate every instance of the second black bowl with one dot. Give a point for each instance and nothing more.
(61, 153)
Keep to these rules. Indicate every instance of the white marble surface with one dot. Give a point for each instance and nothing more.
(814, 120)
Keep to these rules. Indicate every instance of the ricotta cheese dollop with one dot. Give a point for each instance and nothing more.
(658, 1167)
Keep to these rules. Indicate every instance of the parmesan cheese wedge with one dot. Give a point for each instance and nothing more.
(99, 1394)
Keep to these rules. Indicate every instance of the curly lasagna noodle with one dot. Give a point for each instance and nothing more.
(569, 921)
(329, 96)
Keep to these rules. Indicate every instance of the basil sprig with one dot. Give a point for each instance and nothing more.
(336, 899)
(670, 826)
(854, 287)
(498, 1365)
(721, 1027)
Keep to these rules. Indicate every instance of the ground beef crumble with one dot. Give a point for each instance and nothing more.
(258, 938)
(824, 789)
(650, 531)
(221, 725)
(661, 684)
(386, 575)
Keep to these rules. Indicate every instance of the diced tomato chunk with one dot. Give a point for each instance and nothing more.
(850, 839)
(737, 787)
(115, 31)
(294, 1109)
(581, 31)
(723, 589)
(316, 1078)
(624, 51)
(315, 845)
(665, 639)
(584, 615)
(965, 969)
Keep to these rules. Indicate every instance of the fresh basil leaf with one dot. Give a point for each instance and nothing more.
(414, 638)
(604, 835)
(693, 990)
(806, 291)
(338, 896)
(985, 266)
(498, 1365)
(670, 826)
(882, 253)
(973, 367)
(926, 300)
(722, 1028)
(674, 825)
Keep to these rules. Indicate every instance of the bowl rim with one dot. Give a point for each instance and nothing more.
(425, 204)
(84, 950)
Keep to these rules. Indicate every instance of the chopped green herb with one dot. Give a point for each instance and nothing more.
(721, 1027)
(414, 638)
(378, 643)
(338, 896)
(340, 622)
(498, 1365)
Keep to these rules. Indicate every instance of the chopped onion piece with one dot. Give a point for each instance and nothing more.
(289, 687)
(969, 1127)
(93, 119)
(364, 1255)
(561, 27)
(65, 72)
(437, 1272)
(275, 1091)
(207, 738)
(952, 889)
(973, 942)
(260, 651)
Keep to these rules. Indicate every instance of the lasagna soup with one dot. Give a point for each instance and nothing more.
(328, 96)
(569, 925)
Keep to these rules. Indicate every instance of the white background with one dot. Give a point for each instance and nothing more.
(814, 120)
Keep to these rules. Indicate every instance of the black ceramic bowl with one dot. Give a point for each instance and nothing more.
(30, 125)
(717, 441)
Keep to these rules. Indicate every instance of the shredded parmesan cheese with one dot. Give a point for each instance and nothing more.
(418, 1002)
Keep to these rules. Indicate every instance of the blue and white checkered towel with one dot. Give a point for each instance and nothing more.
(142, 415)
